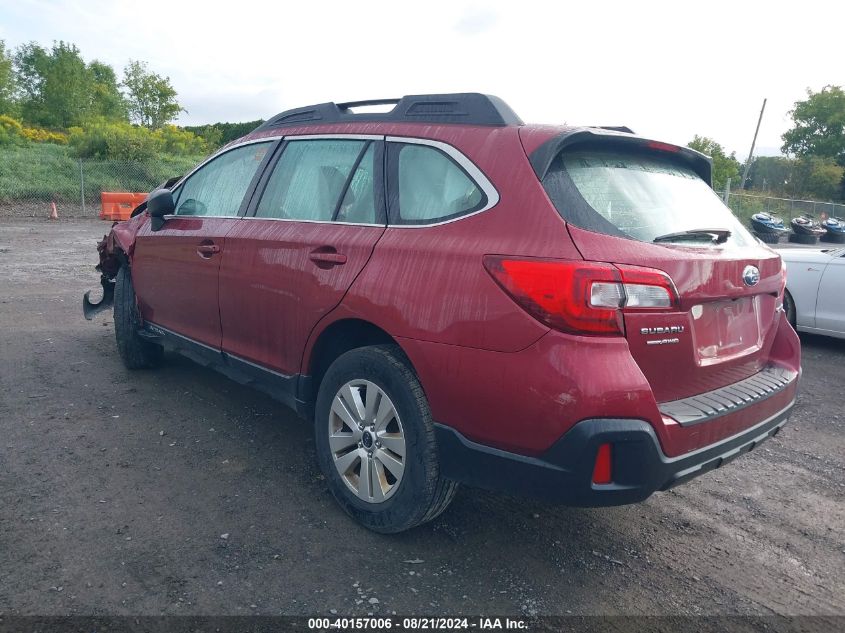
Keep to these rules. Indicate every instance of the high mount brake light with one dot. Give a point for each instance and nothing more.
(663, 147)
(582, 297)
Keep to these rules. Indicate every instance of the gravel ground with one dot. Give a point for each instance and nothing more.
(41, 209)
(180, 492)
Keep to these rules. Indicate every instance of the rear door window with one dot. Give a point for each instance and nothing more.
(638, 196)
(322, 181)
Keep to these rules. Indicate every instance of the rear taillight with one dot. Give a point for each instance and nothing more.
(582, 297)
(648, 289)
(782, 277)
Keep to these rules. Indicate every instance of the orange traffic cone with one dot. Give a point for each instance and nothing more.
(54, 213)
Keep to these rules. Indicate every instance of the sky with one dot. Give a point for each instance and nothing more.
(668, 70)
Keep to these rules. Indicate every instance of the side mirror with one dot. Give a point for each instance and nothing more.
(159, 204)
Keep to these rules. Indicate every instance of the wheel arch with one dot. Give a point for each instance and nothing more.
(331, 342)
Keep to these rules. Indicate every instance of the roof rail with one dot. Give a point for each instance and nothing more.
(469, 108)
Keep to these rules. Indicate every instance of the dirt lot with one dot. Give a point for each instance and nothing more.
(180, 492)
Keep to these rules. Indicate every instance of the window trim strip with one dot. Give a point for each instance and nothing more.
(279, 140)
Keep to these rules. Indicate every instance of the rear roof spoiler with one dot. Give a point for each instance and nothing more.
(542, 157)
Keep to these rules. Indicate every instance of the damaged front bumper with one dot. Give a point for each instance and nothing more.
(89, 308)
(111, 259)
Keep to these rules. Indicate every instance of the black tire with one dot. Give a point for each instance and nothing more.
(789, 308)
(802, 238)
(769, 238)
(135, 352)
(422, 494)
(833, 238)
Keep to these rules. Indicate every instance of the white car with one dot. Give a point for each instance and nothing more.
(815, 290)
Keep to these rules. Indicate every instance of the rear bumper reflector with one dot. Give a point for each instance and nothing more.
(602, 472)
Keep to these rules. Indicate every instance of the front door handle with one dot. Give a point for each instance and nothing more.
(207, 250)
(325, 258)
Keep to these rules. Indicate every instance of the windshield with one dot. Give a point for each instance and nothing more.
(638, 196)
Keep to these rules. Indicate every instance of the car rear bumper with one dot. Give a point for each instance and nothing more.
(564, 472)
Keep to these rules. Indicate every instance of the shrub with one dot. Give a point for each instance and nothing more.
(116, 140)
(174, 140)
(41, 135)
(10, 131)
(123, 141)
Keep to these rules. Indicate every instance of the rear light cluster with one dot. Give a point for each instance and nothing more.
(582, 297)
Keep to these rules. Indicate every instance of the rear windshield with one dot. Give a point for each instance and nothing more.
(638, 196)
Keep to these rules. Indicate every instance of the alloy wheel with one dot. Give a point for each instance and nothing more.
(366, 441)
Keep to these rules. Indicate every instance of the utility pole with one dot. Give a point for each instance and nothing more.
(753, 143)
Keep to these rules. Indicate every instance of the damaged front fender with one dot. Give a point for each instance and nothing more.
(114, 250)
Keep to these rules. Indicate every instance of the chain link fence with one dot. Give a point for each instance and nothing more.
(744, 205)
(27, 190)
(29, 184)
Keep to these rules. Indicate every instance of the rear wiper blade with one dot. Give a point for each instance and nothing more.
(717, 236)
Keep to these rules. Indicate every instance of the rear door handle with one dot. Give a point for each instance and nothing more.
(207, 250)
(327, 258)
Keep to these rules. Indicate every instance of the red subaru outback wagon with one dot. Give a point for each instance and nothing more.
(453, 296)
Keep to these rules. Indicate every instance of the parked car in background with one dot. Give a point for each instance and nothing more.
(454, 296)
(815, 290)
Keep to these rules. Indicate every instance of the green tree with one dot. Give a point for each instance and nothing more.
(818, 126)
(106, 98)
(807, 177)
(58, 90)
(821, 178)
(151, 98)
(776, 175)
(724, 166)
(7, 82)
(55, 85)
